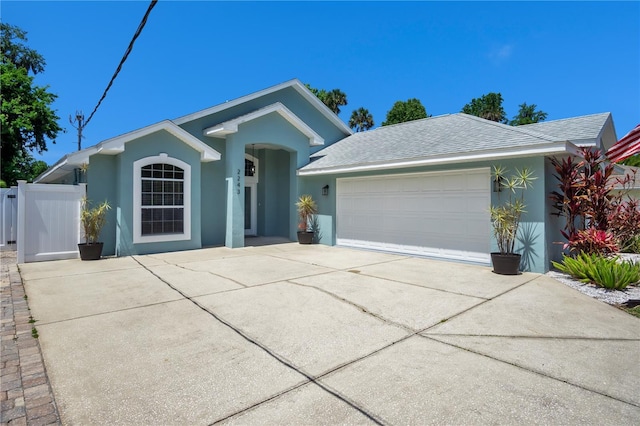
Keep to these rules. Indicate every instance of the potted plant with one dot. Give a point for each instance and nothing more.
(306, 209)
(505, 217)
(92, 219)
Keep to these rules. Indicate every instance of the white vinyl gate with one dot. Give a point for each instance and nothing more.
(436, 214)
(8, 218)
(48, 221)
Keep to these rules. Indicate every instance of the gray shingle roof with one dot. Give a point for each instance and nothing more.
(445, 135)
(585, 127)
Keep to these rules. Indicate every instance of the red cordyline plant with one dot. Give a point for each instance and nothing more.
(592, 240)
(586, 201)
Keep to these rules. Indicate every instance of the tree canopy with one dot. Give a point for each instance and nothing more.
(487, 106)
(333, 99)
(528, 115)
(26, 116)
(402, 111)
(361, 120)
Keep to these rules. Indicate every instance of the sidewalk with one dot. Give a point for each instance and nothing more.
(25, 393)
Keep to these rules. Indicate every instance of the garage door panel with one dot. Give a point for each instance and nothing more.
(433, 214)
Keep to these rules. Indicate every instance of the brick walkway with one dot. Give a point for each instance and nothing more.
(25, 392)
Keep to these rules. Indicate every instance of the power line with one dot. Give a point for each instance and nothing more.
(122, 61)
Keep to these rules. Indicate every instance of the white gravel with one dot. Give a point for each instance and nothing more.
(612, 297)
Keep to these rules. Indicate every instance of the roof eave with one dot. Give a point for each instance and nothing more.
(294, 83)
(554, 148)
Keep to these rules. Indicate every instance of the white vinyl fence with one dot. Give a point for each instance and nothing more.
(8, 218)
(48, 221)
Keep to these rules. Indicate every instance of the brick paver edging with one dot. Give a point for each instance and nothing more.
(25, 392)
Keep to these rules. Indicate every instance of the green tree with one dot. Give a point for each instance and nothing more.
(26, 116)
(22, 167)
(487, 106)
(333, 99)
(403, 111)
(361, 119)
(634, 161)
(528, 115)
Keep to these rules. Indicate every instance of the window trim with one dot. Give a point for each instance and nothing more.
(163, 158)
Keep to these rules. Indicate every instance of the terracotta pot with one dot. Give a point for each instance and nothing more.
(90, 251)
(305, 237)
(506, 264)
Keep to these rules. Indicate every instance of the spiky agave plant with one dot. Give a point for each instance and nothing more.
(306, 209)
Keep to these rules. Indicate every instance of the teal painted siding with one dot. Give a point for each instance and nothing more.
(273, 193)
(533, 237)
(102, 181)
(213, 206)
(290, 98)
(113, 176)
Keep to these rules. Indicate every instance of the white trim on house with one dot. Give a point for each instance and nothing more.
(546, 149)
(221, 130)
(138, 238)
(295, 84)
(116, 145)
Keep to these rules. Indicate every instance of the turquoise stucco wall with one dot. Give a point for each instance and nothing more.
(290, 98)
(102, 183)
(273, 193)
(532, 241)
(112, 177)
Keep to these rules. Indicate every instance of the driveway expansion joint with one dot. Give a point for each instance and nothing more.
(270, 352)
(531, 370)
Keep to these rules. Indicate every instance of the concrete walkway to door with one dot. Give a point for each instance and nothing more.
(291, 334)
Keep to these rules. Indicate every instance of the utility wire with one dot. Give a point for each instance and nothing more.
(124, 58)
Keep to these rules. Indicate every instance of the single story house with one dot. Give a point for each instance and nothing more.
(424, 187)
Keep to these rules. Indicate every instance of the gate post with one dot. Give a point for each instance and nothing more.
(20, 240)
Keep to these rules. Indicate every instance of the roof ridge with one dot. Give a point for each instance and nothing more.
(509, 127)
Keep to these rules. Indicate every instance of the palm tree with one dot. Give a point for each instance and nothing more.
(528, 115)
(361, 120)
(334, 99)
(488, 106)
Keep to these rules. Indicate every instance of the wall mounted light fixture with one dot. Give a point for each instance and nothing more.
(497, 184)
(325, 190)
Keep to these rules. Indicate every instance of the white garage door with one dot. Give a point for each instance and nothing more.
(440, 214)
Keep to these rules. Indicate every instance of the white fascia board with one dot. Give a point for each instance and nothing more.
(116, 145)
(295, 83)
(546, 149)
(230, 104)
(231, 126)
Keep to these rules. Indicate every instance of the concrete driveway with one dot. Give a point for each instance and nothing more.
(291, 334)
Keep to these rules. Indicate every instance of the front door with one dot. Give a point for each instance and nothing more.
(251, 209)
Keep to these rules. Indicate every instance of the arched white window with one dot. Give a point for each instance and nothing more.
(161, 199)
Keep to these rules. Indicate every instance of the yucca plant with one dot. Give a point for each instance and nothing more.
(505, 217)
(93, 219)
(306, 209)
(607, 272)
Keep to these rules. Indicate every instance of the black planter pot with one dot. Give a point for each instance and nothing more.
(90, 251)
(305, 237)
(506, 264)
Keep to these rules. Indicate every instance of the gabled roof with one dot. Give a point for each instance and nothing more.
(586, 130)
(436, 140)
(221, 130)
(116, 145)
(294, 83)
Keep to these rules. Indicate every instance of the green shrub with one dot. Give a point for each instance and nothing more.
(607, 272)
(632, 245)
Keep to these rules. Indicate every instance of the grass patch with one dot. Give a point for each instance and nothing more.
(635, 311)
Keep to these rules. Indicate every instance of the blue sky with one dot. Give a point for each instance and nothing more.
(569, 58)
